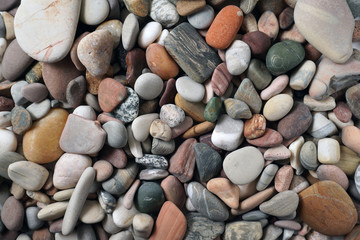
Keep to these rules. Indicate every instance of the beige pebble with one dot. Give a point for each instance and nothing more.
(328, 151)
(159, 129)
(63, 195)
(52, 211)
(279, 152)
(103, 169)
(91, 212)
(326, 104)
(275, 87)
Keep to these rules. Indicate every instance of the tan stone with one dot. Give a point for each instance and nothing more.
(228, 192)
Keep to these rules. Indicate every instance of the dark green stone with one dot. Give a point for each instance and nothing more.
(212, 109)
(259, 74)
(149, 198)
(284, 56)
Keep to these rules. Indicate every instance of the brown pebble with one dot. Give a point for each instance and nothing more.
(283, 178)
(186, 7)
(93, 82)
(103, 170)
(42, 234)
(174, 191)
(73, 53)
(270, 138)
(55, 226)
(6, 104)
(356, 33)
(12, 214)
(255, 127)
(311, 53)
(343, 112)
(258, 42)
(135, 62)
(199, 129)
(169, 93)
(286, 18)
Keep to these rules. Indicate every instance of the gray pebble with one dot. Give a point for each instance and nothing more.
(281, 205)
(200, 227)
(92, 101)
(308, 156)
(161, 147)
(39, 110)
(171, 114)
(203, 18)
(75, 91)
(107, 201)
(86, 232)
(254, 215)
(109, 225)
(116, 134)
(121, 179)
(267, 176)
(130, 31)
(23, 236)
(272, 232)
(164, 12)
(32, 220)
(153, 174)
(16, 95)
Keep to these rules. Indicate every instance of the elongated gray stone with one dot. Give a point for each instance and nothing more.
(121, 179)
(267, 176)
(282, 204)
(191, 52)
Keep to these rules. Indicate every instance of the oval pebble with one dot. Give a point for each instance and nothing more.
(189, 89)
(150, 32)
(203, 18)
(148, 86)
(237, 57)
(277, 107)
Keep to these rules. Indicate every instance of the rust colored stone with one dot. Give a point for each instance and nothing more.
(135, 62)
(283, 178)
(270, 138)
(255, 127)
(169, 94)
(199, 129)
(174, 191)
(110, 94)
(342, 112)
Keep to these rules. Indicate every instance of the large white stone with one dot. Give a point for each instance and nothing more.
(238, 57)
(189, 89)
(149, 34)
(45, 29)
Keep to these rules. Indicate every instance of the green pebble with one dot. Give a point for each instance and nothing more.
(149, 198)
(213, 109)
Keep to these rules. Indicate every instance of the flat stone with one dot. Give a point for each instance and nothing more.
(183, 44)
(63, 195)
(302, 75)
(266, 177)
(268, 22)
(174, 191)
(237, 57)
(326, 104)
(48, 45)
(206, 203)
(279, 152)
(53, 211)
(128, 110)
(94, 12)
(82, 136)
(342, 112)
(318, 32)
(164, 12)
(271, 232)
(12, 214)
(196, 223)
(348, 160)
(121, 179)
(228, 192)
(7, 158)
(243, 230)
(20, 120)
(332, 173)
(278, 107)
(271, 138)
(202, 18)
(282, 204)
(339, 219)
(130, 31)
(283, 178)
(248, 94)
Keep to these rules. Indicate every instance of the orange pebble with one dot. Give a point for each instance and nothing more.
(224, 27)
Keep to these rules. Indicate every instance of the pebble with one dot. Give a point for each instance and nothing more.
(302, 75)
(237, 109)
(266, 177)
(116, 134)
(174, 191)
(255, 127)
(170, 224)
(259, 43)
(16, 94)
(321, 126)
(220, 80)
(94, 12)
(8, 141)
(254, 215)
(318, 32)
(332, 173)
(63, 195)
(348, 160)
(352, 95)
(53, 211)
(130, 32)
(185, 8)
(258, 73)
(12, 214)
(193, 110)
(5, 119)
(34, 92)
(308, 156)
(272, 232)
(328, 151)
(227, 133)
(248, 94)
(111, 93)
(134, 146)
(164, 12)
(196, 223)
(122, 216)
(281, 205)
(141, 126)
(271, 138)
(243, 165)
(150, 32)
(283, 178)
(138, 7)
(91, 212)
(286, 18)
(159, 129)
(212, 109)
(206, 203)
(160, 147)
(153, 161)
(249, 23)
(142, 225)
(128, 110)
(203, 18)
(6, 104)
(342, 112)
(121, 179)
(31, 218)
(228, 192)
(7, 158)
(115, 28)
(20, 120)
(243, 230)
(149, 198)
(148, 86)
(230, 18)
(340, 219)
(172, 114)
(28, 175)
(269, 24)
(77, 200)
(237, 57)
(279, 152)
(278, 107)
(350, 138)
(189, 89)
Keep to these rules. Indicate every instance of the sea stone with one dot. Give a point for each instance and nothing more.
(352, 99)
(128, 110)
(329, 201)
(149, 198)
(351, 138)
(193, 110)
(268, 22)
(208, 161)
(237, 57)
(138, 7)
(228, 192)
(320, 31)
(41, 141)
(164, 12)
(20, 120)
(281, 205)
(243, 230)
(302, 75)
(237, 109)
(270, 138)
(248, 94)
(332, 173)
(53, 40)
(111, 93)
(342, 112)
(278, 107)
(121, 179)
(148, 86)
(255, 127)
(189, 89)
(12, 214)
(196, 223)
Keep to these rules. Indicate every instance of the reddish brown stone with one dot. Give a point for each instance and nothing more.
(111, 93)
(93, 82)
(174, 191)
(283, 178)
(286, 18)
(356, 33)
(354, 234)
(55, 226)
(149, 106)
(343, 112)
(135, 62)
(258, 42)
(169, 94)
(311, 53)
(43, 234)
(115, 156)
(12, 214)
(106, 117)
(6, 104)
(220, 79)
(182, 163)
(255, 127)
(73, 53)
(270, 138)
(34, 92)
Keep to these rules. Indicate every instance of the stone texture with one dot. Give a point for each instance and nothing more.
(20, 120)
(332, 173)
(12, 214)
(196, 223)
(268, 22)
(278, 107)
(194, 110)
(342, 112)
(243, 230)
(135, 63)
(121, 179)
(281, 205)
(248, 94)
(228, 192)
(164, 12)
(255, 127)
(111, 93)
(237, 109)
(128, 110)
(140, 8)
(270, 138)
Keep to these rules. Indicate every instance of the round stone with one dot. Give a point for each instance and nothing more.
(150, 32)
(116, 134)
(171, 114)
(189, 89)
(103, 169)
(244, 165)
(148, 86)
(308, 156)
(34, 92)
(8, 141)
(332, 173)
(277, 107)
(94, 12)
(149, 198)
(237, 57)
(203, 18)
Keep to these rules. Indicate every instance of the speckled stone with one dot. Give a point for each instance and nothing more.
(196, 223)
(153, 161)
(128, 110)
(164, 12)
(237, 109)
(171, 114)
(20, 120)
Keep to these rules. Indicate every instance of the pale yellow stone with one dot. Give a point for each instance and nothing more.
(328, 151)
(277, 107)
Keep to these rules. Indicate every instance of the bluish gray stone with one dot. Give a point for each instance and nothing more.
(32, 220)
(208, 161)
(116, 134)
(107, 201)
(121, 179)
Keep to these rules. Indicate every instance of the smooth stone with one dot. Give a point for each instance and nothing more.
(116, 134)
(342, 112)
(174, 191)
(302, 75)
(318, 32)
(133, 145)
(34, 92)
(249, 23)
(15, 61)
(94, 12)
(48, 45)
(153, 161)
(77, 200)
(349, 160)
(321, 126)
(164, 12)
(259, 74)
(308, 156)
(134, 62)
(352, 97)
(38, 196)
(109, 225)
(297, 121)
(160, 147)
(254, 215)
(53, 211)
(282, 204)
(237, 109)
(142, 225)
(148, 86)
(7, 158)
(328, 151)
(172, 115)
(272, 232)
(283, 178)
(115, 28)
(243, 230)
(213, 109)
(16, 94)
(228, 192)
(6, 104)
(194, 110)
(28, 175)
(106, 201)
(184, 8)
(23, 236)
(295, 148)
(121, 179)
(141, 126)
(130, 32)
(326, 104)
(5, 119)
(279, 152)
(122, 216)
(31, 218)
(91, 212)
(63, 195)
(85, 111)
(182, 127)
(149, 198)
(220, 80)
(248, 94)
(153, 174)
(332, 173)
(128, 110)
(86, 232)
(159, 129)
(183, 44)
(8, 141)
(208, 161)
(20, 120)
(189, 89)
(248, 161)
(138, 7)
(286, 18)
(278, 107)
(266, 177)
(123, 235)
(196, 223)
(39, 110)
(68, 170)
(228, 133)
(150, 32)
(75, 91)
(116, 157)
(350, 138)
(314, 201)
(268, 23)
(12, 214)
(206, 203)
(271, 138)
(92, 102)
(203, 18)
(284, 56)
(237, 57)
(255, 127)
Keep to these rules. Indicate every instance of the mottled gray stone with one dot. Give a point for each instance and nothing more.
(121, 179)
(39, 110)
(248, 94)
(16, 94)
(164, 12)
(208, 161)
(161, 147)
(282, 204)
(202, 228)
(267, 176)
(153, 161)
(308, 156)
(272, 232)
(129, 109)
(153, 174)
(254, 215)
(107, 201)
(242, 230)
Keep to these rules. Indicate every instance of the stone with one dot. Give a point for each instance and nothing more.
(206, 203)
(6, 104)
(20, 120)
(183, 44)
(326, 104)
(116, 134)
(164, 12)
(350, 138)
(229, 18)
(7, 158)
(15, 61)
(255, 127)
(15, 90)
(196, 223)
(174, 191)
(153, 161)
(68, 170)
(150, 32)
(318, 32)
(228, 192)
(243, 230)
(189, 89)
(148, 86)
(134, 146)
(220, 79)
(115, 28)
(278, 107)
(141, 126)
(286, 18)
(342, 112)
(269, 24)
(53, 211)
(122, 216)
(111, 93)
(272, 232)
(295, 148)
(138, 7)
(284, 56)
(28, 175)
(271, 138)
(170, 224)
(228, 133)
(182, 127)
(106, 201)
(332, 173)
(160, 147)
(47, 46)
(308, 156)
(82, 136)
(202, 18)
(135, 61)
(237, 57)
(194, 110)
(199, 129)
(266, 177)
(128, 110)
(248, 94)
(321, 126)
(149, 198)
(279, 152)
(259, 74)
(159, 129)
(5, 119)
(121, 179)
(130, 32)
(283, 178)
(314, 201)
(243, 165)
(237, 109)
(73, 52)
(352, 96)
(185, 8)
(63, 195)
(34, 92)
(212, 109)
(116, 157)
(91, 212)
(282, 204)
(208, 161)
(160, 62)
(142, 225)
(12, 214)
(259, 43)
(77, 200)
(85, 111)
(94, 12)
(8, 141)
(348, 160)
(297, 121)
(328, 151)
(302, 75)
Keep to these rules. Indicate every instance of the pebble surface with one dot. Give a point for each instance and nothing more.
(176, 119)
